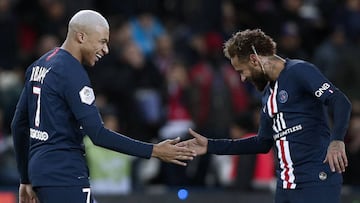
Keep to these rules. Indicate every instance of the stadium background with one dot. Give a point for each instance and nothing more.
(166, 72)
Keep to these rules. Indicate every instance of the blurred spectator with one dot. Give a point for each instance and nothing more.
(178, 121)
(10, 89)
(229, 20)
(305, 17)
(54, 18)
(267, 12)
(348, 16)
(290, 42)
(164, 54)
(136, 87)
(146, 86)
(216, 89)
(178, 118)
(44, 44)
(120, 34)
(9, 178)
(128, 8)
(217, 94)
(348, 73)
(241, 167)
(8, 35)
(110, 171)
(328, 55)
(246, 172)
(351, 176)
(146, 28)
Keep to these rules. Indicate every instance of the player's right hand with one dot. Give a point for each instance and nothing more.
(167, 151)
(199, 143)
(336, 156)
(27, 194)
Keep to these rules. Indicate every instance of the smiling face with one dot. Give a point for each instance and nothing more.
(249, 52)
(88, 37)
(95, 45)
(249, 72)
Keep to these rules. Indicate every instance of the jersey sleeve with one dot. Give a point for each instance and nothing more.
(261, 143)
(321, 88)
(81, 99)
(106, 138)
(79, 93)
(21, 139)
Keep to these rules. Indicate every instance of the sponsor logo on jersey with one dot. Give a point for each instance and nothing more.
(283, 96)
(287, 131)
(87, 95)
(38, 134)
(322, 89)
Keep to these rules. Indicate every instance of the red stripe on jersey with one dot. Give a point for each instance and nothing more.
(53, 54)
(271, 102)
(286, 164)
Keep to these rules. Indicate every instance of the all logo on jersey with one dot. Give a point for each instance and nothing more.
(87, 95)
(283, 96)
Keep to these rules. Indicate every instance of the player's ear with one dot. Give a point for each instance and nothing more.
(81, 37)
(252, 58)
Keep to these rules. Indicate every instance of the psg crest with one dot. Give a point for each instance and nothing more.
(283, 96)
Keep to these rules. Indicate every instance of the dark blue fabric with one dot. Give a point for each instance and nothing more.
(64, 194)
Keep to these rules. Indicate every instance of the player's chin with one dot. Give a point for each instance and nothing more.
(91, 63)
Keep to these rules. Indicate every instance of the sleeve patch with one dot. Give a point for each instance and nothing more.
(87, 95)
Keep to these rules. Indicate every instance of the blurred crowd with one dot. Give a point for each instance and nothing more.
(166, 72)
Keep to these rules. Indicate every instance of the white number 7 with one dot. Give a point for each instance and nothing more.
(37, 91)
(87, 190)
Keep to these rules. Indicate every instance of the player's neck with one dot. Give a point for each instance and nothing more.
(276, 65)
(71, 49)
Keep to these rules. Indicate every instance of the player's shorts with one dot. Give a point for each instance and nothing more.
(328, 194)
(73, 194)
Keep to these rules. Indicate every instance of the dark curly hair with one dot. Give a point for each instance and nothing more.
(240, 44)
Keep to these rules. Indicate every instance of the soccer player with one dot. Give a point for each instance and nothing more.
(311, 155)
(57, 108)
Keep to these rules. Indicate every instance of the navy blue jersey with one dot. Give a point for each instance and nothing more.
(294, 120)
(297, 119)
(56, 109)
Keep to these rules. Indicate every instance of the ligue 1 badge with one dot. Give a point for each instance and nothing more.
(283, 96)
(322, 175)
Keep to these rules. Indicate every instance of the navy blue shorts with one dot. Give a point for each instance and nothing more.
(328, 194)
(73, 194)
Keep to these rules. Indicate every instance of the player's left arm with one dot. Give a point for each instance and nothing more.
(81, 99)
(20, 132)
(261, 143)
(340, 107)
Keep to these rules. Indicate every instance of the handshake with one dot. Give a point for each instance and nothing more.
(174, 151)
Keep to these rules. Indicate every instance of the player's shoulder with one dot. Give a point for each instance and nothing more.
(61, 62)
(296, 64)
(298, 67)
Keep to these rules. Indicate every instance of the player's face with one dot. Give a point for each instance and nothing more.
(250, 72)
(96, 46)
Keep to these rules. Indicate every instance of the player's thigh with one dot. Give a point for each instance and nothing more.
(328, 194)
(74, 194)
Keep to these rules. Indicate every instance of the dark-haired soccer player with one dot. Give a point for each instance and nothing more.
(57, 108)
(311, 157)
